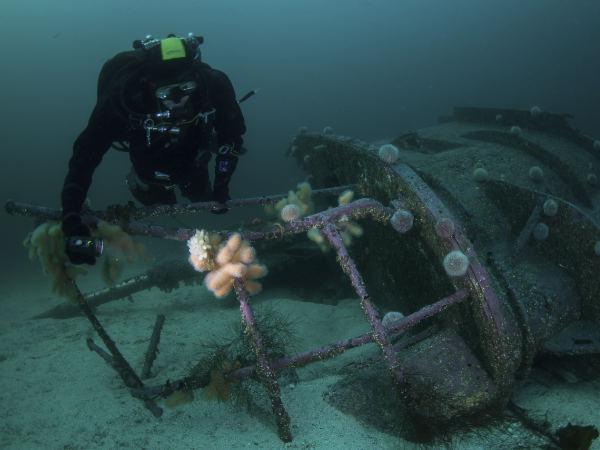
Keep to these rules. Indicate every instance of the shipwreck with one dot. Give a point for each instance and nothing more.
(515, 193)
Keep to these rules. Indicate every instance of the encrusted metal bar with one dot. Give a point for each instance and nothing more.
(164, 276)
(318, 354)
(364, 207)
(23, 209)
(107, 357)
(527, 230)
(153, 346)
(358, 209)
(337, 348)
(435, 210)
(192, 208)
(476, 279)
(120, 364)
(133, 213)
(265, 372)
(380, 336)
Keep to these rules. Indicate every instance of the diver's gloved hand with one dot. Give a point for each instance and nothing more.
(221, 196)
(72, 226)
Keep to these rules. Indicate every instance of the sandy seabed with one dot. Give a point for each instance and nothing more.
(56, 394)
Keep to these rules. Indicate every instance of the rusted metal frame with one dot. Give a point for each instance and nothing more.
(26, 210)
(265, 372)
(99, 297)
(380, 336)
(320, 353)
(550, 159)
(92, 217)
(364, 207)
(152, 350)
(325, 221)
(192, 208)
(477, 276)
(574, 224)
(527, 231)
(337, 348)
(579, 215)
(358, 209)
(477, 279)
(119, 363)
(176, 270)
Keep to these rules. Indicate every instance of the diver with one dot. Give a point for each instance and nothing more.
(171, 112)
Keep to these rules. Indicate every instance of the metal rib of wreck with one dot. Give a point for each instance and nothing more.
(525, 288)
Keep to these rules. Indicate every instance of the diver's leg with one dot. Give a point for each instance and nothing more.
(149, 194)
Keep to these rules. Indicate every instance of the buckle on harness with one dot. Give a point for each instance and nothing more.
(230, 149)
(150, 127)
(205, 115)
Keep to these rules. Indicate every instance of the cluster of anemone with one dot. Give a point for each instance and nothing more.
(297, 204)
(516, 130)
(541, 231)
(550, 207)
(535, 111)
(480, 174)
(536, 174)
(402, 220)
(225, 262)
(119, 246)
(46, 243)
(456, 264)
(348, 228)
(391, 319)
(389, 153)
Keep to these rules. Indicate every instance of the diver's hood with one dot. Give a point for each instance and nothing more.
(166, 58)
(156, 85)
(160, 75)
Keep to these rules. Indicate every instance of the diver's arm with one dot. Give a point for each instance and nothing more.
(230, 126)
(94, 141)
(102, 129)
(88, 150)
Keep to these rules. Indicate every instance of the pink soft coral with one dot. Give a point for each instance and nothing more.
(235, 259)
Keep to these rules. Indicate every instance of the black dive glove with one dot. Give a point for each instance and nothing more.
(72, 226)
(225, 165)
(221, 196)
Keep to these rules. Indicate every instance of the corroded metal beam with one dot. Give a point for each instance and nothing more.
(379, 333)
(421, 198)
(129, 212)
(265, 372)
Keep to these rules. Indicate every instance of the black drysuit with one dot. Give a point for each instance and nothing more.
(128, 79)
